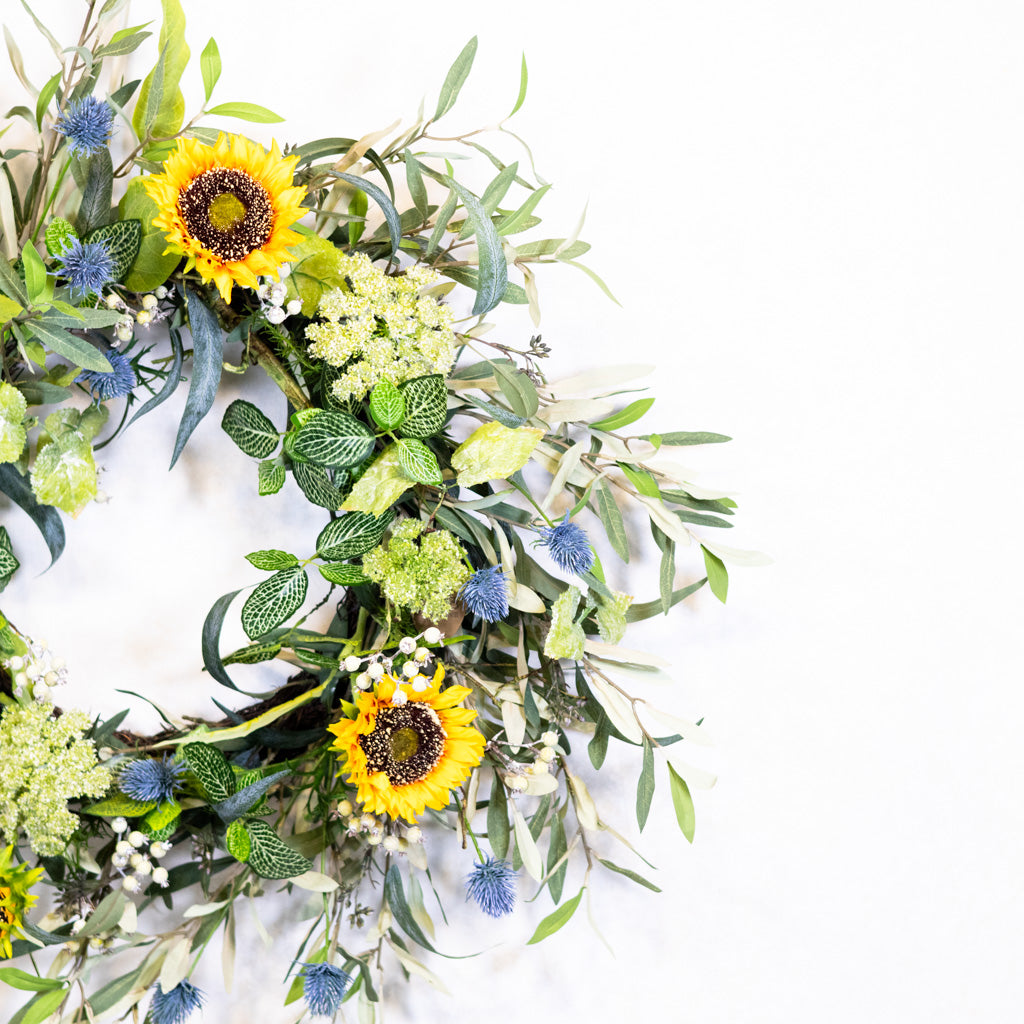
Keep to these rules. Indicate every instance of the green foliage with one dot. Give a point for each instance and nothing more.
(387, 405)
(160, 107)
(418, 462)
(124, 240)
(151, 266)
(426, 404)
(270, 856)
(238, 841)
(272, 476)
(250, 429)
(274, 600)
(718, 575)
(351, 535)
(556, 919)
(211, 770)
(683, 804)
(333, 439)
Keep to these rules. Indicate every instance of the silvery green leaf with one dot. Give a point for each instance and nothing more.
(333, 439)
(207, 362)
(271, 477)
(238, 803)
(211, 768)
(316, 485)
(455, 79)
(352, 534)
(250, 429)
(274, 600)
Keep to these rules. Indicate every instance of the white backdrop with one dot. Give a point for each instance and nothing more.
(812, 217)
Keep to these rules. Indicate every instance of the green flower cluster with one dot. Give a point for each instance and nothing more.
(418, 571)
(381, 327)
(45, 763)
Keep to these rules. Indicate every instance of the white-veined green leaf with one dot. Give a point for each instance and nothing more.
(274, 600)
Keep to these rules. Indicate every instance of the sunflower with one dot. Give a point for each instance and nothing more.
(405, 749)
(228, 208)
(15, 898)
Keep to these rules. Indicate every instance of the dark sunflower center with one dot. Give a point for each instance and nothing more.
(229, 212)
(406, 743)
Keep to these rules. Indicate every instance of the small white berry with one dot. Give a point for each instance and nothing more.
(352, 663)
(123, 332)
(160, 877)
(112, 301)
(363, 681)
(516, 783)
(149, 302)
(414, 834)
(293, 307)
(409, 669)
(375, 670)
(131, 884)
(277, 293)
(119, 825)
(276, 315)
(420, 683)
(345, 808)
(422, 654)
(432, 634)
(550, 739)
(160, 291)
(144, 867)
(390, 843)
(16, 663)
(284, 270)
(123, 847)
(137, 839)
(144, 316)
(407, 645)
(159, 850)
(374, 839)
(399, 698)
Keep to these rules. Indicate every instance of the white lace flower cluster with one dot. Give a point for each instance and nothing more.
(381, 327)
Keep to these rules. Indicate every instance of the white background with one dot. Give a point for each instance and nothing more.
(812, 216)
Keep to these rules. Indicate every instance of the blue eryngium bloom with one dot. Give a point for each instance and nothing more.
(175, 1006)
(492, 885)
(150, 780)
(88, 266)
(87, 124)
(485, 593)
(323, 985)
(569, 547)
(105, 386)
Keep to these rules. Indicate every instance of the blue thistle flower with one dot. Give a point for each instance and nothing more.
(492, 885)
(105, 386)
(569, 546)
(149, 779)
(323, 986)
(87, 124)
(88, 266)
(175, 1006)
(485, 593)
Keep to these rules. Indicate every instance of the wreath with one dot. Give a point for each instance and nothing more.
(449, 639)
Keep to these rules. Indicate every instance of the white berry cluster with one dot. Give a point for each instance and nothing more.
(375, 832)
(373, 668)
(36, 672)
(272, 295)
(148, 313)
(129, 857)
(518, 781)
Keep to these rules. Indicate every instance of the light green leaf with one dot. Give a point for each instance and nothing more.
(120, 805)
(245, 112)
(253, 654)
(645, 786)
(497, 819)
(12, 429)
(426, 405)
(333, 439)
(683, 804)
(556, 919)
(380, 486)
(687, 437)
(387, 405)
(611, 518)
(718, 575)
(494, 452)
(45, 95)
(122, 43)
(639, 879)
(152, 266)
(517, 387)
(211, 768)
(270, 856)
(64, 473)
(523, 79)
(418, 462)
(210, 65)
(455, 79)
(272, 559)
(40, 1007)
(250, 429)
(160, 108)
(95, 175)
(28, 982)
(35, 273)
(624, 417)
(342, 573)
(237, 839)
(274, 600)
(352, 535)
